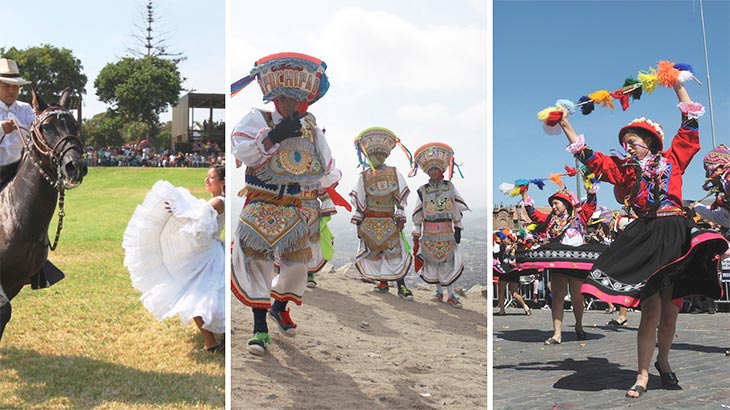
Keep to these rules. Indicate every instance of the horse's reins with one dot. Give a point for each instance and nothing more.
(36, 143)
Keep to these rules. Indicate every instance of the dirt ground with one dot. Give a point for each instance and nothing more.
(358, 349)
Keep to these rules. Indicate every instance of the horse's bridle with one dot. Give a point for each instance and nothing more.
(36, 144)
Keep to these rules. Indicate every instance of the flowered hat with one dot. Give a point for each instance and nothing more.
(645, 127)
(717, 160)
(565, 196)
(433, 155)
(376, 140)
(293, 75)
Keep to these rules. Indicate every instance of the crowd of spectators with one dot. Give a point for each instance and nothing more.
(202, 155)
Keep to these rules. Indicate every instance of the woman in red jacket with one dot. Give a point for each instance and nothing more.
(660, 257)
(565, 229)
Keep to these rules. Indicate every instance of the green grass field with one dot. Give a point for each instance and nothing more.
(88, 342)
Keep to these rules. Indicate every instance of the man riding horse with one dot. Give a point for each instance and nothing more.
(48, 149)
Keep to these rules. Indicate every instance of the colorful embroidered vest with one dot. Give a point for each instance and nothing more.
(381, 189)
(296, 161)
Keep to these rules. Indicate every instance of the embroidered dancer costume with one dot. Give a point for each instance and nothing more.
(286, 155)
(717, 171)
(566, 257)
(320, 208)
(379, 199)
(636, 265)
(437, 221)
(661, 256)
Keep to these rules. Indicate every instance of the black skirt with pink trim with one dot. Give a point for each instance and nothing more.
(574, 261)
(655, 253)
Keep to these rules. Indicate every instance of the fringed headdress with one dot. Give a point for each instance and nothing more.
(293, 75)
(374, 140)
(434, 155)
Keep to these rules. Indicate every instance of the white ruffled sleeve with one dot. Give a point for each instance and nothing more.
(197, 217)
(402, 199)
(357, 199)
(417, 217)
(247, 139)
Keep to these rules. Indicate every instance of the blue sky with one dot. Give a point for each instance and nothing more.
(544, 51)
(99, 32)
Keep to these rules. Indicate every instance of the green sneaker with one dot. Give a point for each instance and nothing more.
(257, 344)
(311, 283)
(405, 293)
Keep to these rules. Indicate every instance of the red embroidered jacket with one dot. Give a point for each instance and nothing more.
(659, 195)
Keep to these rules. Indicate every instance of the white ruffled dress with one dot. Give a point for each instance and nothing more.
(176, 259)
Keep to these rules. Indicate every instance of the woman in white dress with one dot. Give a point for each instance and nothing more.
(175, 256)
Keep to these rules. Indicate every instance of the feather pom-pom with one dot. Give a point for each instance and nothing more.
(554, 118)
(522, 182)
(602, 97)
(648, 80)
(506, 187)
(556, 179)
(552, 130)
(686, 72)
(685, 76)
(586, 105)
(515, 191)
(571, 171)
(539, 183)
(684, 67)
(622, 97)
(634, 86)
(545, 113)
(567, 104)
(667, 75)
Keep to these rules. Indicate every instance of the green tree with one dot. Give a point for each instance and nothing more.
(50, 70)
(103, 130)
(139, 89)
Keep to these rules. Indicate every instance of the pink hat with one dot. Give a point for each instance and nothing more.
(718, 158)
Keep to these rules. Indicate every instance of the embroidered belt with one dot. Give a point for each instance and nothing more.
(257, 195)
(376, 214)
(436, 228)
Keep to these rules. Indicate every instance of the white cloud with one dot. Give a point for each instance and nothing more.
(376, 52)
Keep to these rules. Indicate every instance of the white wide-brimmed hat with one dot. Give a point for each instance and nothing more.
(9, 73)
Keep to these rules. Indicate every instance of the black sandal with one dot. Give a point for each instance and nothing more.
(552, 341)
(616, 323)
(581, 335)
(669, 379)
(638, 389)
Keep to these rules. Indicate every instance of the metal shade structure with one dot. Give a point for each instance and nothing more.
(184, 126)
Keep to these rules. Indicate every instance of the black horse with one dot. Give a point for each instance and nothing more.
(52, 162)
